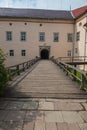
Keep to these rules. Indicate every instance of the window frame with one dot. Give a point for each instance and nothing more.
(78, 36)
(23, 36)
(42, 36)
(23, 52)
(9, 35)
(69, 37)
(69, 53)
(76, 50)
(55, 37)
(11, 52)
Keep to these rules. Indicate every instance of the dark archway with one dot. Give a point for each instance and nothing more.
(44, 54)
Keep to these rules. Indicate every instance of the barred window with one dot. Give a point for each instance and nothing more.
(42, 36)
(78, 36)
(11, 52)
(56, 37)
(70, 37)
(8, 36)
(76, 50)
(23, 36)
(23, 52)
(69, 53)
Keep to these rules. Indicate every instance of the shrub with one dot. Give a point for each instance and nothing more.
(3, 73)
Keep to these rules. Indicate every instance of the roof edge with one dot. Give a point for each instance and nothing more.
(14, 17)
(81, 14)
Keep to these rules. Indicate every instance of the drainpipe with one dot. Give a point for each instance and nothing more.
(73, 37)
(85, 27)
(73, 46)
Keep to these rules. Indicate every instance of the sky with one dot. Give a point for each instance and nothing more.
(44, 4)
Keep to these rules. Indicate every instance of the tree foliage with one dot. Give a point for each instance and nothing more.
(3, 73)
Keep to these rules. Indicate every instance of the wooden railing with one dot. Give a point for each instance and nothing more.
(73, 59)
(73, 72)
(17, 69)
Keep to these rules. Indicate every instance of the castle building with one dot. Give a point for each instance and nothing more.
(27, 33)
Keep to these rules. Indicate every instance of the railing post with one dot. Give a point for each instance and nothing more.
(64, 67)
(74, 78)
(18, 71)
(9, 72)
(27, 65)
(72, 58)
(60, 65)
(67, 70)
(83, 82)
(34, 61)
(31, 62)
(23, 67)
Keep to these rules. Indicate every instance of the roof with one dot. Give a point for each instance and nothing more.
(36, 13)
(79, 11)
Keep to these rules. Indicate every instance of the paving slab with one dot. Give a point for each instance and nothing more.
(15, 105)
(72, 117)
(62, 126)
(3, 104)
(51, 126)
(3, 114)
(33, 115)
(11, 125)
(28, 126)
(53, 116)
(39, 125)
(66, 100)
(41, 116)
(31, 105)
(15, 116)
(46, 106)
(83, 126)
(73, 126)
(83, 115)
(63, 106)
(85, 105)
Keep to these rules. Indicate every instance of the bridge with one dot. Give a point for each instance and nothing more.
(45, 96)
(47, 80)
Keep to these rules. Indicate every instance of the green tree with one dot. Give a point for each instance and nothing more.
(3, 73)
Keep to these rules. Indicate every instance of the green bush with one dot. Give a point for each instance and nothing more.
(3, 74)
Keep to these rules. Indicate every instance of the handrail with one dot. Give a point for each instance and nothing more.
(17, 69)
(73, 59)
(66, 67)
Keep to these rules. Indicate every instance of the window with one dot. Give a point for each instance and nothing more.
(76, 50)
(69, 53)
(56, 37)
(11, 52)
(69, 37)
(23, 36)
(9, 36)
(42, 36)
(78, 36)
(23, 52)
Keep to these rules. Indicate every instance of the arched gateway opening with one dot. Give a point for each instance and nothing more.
(44, 54)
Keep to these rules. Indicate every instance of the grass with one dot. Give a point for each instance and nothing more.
(78, 75)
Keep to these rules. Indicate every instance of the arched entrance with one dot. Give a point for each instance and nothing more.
(44, 54)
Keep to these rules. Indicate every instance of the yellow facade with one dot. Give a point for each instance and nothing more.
(33, 45)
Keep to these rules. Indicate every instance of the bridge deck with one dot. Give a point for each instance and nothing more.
(48, 80)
